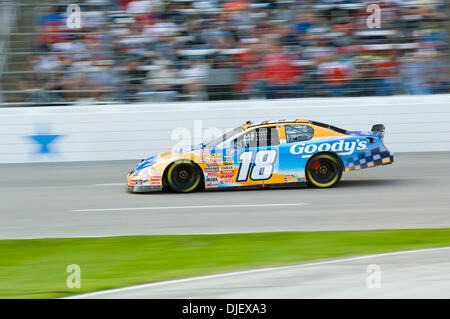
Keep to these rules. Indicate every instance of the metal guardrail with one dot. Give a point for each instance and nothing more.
(117, 132)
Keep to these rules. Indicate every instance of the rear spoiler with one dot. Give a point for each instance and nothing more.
(379, 128)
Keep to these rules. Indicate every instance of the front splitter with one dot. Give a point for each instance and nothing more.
(144, 189)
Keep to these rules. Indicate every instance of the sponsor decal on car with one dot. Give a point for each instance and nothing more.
(204, 155)
(212, 174)
(211, 170)
(228, 159)
(341, 147)
(230, 151)
(211, 181)
(290, 178)
(208, 185)
(227, 181)
(141, 181)
(227, 175)
(215, 158)
(227, 168)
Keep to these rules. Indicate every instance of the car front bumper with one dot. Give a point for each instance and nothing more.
(140, 185)
(143, 189)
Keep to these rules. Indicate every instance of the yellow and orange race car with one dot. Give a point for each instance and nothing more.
(267, 154)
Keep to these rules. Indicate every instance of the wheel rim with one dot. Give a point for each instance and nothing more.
(183, 174)
(182, 177)
(323, 171)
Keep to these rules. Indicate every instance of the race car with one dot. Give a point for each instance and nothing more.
(267, 154)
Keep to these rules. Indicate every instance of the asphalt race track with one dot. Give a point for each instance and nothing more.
(89, 199)
(405, 274)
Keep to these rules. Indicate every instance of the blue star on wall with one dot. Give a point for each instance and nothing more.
(44, 141)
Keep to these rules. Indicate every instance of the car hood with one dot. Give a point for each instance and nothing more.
(167, 155)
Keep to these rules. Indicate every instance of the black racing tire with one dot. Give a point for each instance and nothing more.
(323, 170)
(184, 177)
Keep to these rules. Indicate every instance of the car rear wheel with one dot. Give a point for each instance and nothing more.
(323, 170)
(184, 177)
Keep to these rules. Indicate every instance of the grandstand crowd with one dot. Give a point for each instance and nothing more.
(154, 50)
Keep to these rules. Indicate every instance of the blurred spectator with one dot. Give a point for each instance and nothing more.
(413, 70)
(338, 75)
(154, 50)
(139, 6)
(133, 77)
(50, 16)
(163, 83)
(283, 77)
(194, 75)
(387, 80)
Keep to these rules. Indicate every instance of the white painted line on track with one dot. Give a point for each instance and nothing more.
(253, 271)
(186, 207)
(109, 184)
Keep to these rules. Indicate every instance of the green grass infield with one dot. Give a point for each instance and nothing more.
(37, 268)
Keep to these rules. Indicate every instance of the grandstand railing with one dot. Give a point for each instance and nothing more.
(7, 19)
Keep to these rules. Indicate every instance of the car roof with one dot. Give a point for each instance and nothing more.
(250, 124)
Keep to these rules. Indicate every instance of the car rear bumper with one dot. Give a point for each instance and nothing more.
(376, 158)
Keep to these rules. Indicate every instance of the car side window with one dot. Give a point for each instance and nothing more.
(259, 137)
(298, 133)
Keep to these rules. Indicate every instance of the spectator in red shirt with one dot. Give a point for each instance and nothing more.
(338, 74)
(283, 79)
(250, 73)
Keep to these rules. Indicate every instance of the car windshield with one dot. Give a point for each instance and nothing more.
(224, 137)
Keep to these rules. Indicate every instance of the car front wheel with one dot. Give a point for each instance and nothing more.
(184, 177)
